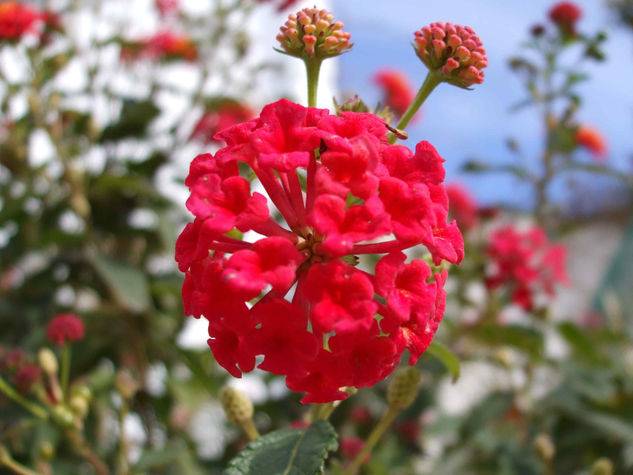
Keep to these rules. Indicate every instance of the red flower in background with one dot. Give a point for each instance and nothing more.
(164, 45)
(462, 206)
(339, 185)
(397, 90)
(16, 20)
(283, 4)
(591, 138)
(526, 262)
(167, 7)
(565, 15)
(224, 116)
(65, 328)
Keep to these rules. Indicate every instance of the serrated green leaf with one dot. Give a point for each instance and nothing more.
(127, 284)
(287, 452)
(447, 357)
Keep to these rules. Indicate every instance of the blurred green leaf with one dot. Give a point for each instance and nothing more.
(127, 284)
(135, 118)
(582, 345)
(447, 357)
(157, 458)
(521, 337)
(287, 452)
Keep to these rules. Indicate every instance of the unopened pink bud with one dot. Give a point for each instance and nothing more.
(313, 32)
(455, 51)
(454, 41)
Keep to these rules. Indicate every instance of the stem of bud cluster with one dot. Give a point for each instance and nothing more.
(65, 369)
(372, 440)
(430, 82)
(313, 67)
(18, 398)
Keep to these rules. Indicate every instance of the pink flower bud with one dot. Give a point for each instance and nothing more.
(313, 33)
(455, 51)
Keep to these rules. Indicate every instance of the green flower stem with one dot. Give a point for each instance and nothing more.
(12, 394)
(313, 67)
(65, 369)
(248, 426)
(430, 82)
(7, 461)
(373, 438)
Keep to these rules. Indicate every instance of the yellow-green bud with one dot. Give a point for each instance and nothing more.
(403, 388)
(63, 416)
(48, 361)
(602, 466)
(544, 447)
(82, 392)
(47, 451)
(79, 405)
(236, 405)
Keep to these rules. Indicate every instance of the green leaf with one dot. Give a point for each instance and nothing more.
(582, 345)
(127, 284)
(157, 458)
(287, 452)
(135, 118)
(521, 337)
(447, 357)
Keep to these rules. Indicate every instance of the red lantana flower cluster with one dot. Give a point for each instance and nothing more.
(223, 117)
(565, 15)
(65, 328)
(527, 263)
(16, 20)
(591, 138)
(16, 366)
(294, 295)
(462, 206)
(162, 46)
(397, 89)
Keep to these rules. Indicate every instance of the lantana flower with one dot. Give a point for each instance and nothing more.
(162, 46)
(65, 328)
(17, 19)
(462, 206)
(591, 138)
(565, 15)
(397, 90)
(219, 118)
(294, 295)
(526, 263)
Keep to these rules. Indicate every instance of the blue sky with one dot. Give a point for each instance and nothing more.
(465, 124)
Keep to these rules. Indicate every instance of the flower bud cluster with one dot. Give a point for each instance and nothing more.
(313, 33)
(454, 51)
(295, 295)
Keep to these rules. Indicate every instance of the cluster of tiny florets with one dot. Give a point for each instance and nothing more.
(313, 33)
(453, 50)
(295, 295)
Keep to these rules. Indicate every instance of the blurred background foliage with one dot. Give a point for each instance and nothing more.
(95, 113)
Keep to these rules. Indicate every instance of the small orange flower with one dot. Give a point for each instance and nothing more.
(590, 138)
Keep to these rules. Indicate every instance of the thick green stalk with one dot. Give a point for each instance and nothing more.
(12, 394)
(313, 67)
(430, 82)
